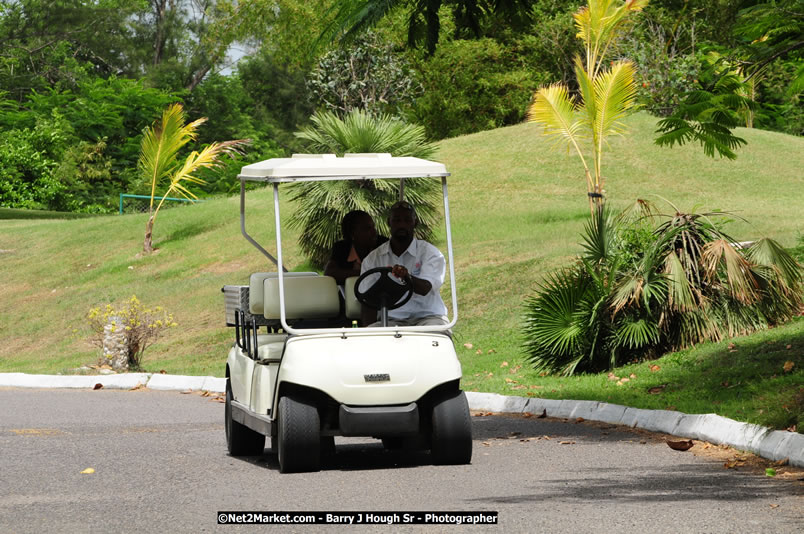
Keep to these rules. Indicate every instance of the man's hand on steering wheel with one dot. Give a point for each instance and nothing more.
(399, 271)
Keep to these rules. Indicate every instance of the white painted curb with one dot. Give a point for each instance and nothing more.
(770, 444)
(121, 381)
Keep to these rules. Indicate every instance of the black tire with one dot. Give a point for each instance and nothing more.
(327, 445)
(452, 430)
(393, 443)
(240, 439)
(298, 436)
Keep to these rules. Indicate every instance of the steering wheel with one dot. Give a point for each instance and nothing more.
(388, 292)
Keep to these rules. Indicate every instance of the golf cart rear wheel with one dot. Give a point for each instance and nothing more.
(240, 439)
(452, 430)
(298, 436)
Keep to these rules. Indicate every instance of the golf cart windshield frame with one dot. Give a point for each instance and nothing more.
(276, 180)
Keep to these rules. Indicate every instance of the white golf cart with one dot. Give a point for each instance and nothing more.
(305, 377)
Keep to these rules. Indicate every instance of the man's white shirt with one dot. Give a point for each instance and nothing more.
(422, 260)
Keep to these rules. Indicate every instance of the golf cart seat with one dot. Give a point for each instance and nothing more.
(306, 297)
(352, 307)
(256, 301)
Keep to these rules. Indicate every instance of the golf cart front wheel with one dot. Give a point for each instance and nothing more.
(452, 430)
(240, 439)
(298, 436)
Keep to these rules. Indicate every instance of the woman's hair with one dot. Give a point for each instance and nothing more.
(349, 220)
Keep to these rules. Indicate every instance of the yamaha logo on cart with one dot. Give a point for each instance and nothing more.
(378, 377)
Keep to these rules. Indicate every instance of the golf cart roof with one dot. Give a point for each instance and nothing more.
(314, 167)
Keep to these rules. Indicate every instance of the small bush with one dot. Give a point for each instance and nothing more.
(142, 326)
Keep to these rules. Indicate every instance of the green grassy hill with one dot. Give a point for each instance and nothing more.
(517, 208)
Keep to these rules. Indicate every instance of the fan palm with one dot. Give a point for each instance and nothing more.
(159, 161)
(629, 298)
(606, 95)
(322, 205)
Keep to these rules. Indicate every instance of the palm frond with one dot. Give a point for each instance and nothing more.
(555, 110)
(741, 283)
(615, 94)
(769, 253)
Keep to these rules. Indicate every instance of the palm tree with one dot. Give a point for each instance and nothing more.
(159, 161)
(606, 94)
(322, 205)
(350, 17)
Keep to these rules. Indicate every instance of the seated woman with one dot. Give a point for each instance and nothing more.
(359, 238)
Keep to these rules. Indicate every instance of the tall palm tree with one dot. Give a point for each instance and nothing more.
(159, 161)
(322, 205)
(607, 94)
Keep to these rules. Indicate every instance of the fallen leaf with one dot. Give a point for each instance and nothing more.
(732, 346)
(468, 345)
(566, 443)
(478, 351)
(490, 351)
(87, 471)
(536, 387)
(580, 420)
(654, 368)
(98, 386)
(788, 366)
(774, 506)
(515, 369)
(162, 372)
(519, 387)
(625, 380)
(544, 414)
(486, 444)
(185, 392)
(612, 376)
(618, 383)
(683, 445)
(632, 375)
(509, 380)
(657, 389)
(504, 364)
(138, 387)
(543, 373)
(770, 472)
(527, 414)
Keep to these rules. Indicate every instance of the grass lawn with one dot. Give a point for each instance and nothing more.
(517, 208)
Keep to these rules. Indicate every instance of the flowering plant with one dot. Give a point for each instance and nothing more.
(142, 326)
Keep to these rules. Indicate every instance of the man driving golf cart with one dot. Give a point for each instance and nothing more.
(416, 260)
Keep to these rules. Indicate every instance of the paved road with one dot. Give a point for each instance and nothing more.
(161, 465)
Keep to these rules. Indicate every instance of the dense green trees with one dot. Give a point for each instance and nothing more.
(79, 81)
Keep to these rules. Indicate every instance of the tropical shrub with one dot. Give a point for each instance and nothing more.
(634, 295)
(322, 205)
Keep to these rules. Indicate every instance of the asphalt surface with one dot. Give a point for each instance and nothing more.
(160, 464)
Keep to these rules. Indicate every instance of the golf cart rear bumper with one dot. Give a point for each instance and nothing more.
(379, 420)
